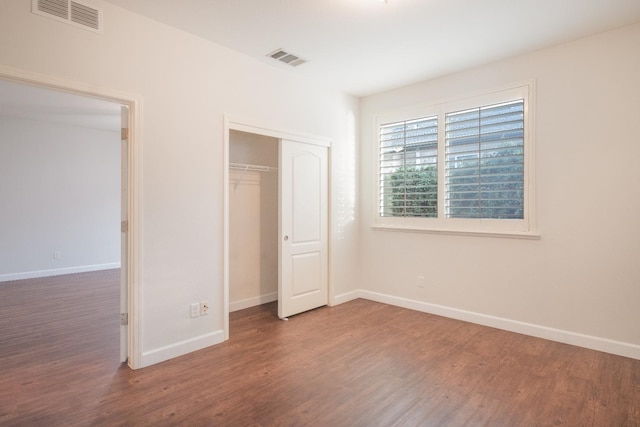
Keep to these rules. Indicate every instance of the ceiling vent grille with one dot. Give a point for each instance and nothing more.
(72, 12)
(59, 8)
(287, 58)
(85, 15)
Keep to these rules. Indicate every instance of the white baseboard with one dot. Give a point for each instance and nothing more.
(57, 272)
(181, 348)
(346, 297)
(587, 341)
(252, 302)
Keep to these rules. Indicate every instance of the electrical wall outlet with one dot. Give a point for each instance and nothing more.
(204, 308)
(195, 309)
(421, 281)
(57, 255)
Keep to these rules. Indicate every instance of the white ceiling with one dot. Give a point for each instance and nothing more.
(358, 46)
(367, 46)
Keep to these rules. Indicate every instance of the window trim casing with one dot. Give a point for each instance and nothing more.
(524, 228)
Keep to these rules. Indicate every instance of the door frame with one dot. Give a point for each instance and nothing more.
(233, 123)
(134, 253)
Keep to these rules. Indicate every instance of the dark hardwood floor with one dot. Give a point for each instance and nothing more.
(357, 364)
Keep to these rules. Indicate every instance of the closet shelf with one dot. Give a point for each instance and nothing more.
(255, 168)
(246, 168)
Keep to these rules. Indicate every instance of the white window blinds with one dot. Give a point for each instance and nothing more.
(466, 165)
(408, 168)
(484, 164)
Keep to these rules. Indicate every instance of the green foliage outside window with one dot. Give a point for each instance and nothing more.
(414, 191)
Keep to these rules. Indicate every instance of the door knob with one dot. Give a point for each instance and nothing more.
(286, 238)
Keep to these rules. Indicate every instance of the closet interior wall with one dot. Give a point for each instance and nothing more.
(253, 220)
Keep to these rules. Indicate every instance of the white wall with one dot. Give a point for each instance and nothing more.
(60, 192)
(583, 275)
(187, 85)
(253, 221)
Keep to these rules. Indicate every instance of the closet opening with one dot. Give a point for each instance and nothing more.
(276, 220)
(253, 220)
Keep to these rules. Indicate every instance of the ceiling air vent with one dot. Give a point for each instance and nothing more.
(79, 14)
(59, 8)
(85, 15)
(287, 58)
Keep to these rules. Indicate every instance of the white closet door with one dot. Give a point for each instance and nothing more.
(303, 228)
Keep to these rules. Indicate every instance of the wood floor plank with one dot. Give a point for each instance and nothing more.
(358, 364)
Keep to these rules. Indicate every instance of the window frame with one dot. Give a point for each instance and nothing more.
(524, 228)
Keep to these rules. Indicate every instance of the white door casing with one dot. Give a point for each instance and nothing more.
(124, 239)
(303, 227)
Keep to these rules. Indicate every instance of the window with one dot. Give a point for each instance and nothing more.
(463, 166)
(484, 164)
(408, 168)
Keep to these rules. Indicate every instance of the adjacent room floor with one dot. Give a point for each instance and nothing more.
(357, 364)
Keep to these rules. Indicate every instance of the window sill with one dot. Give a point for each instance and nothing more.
(500, 234)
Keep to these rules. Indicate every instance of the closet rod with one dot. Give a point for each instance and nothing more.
(257, 168)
